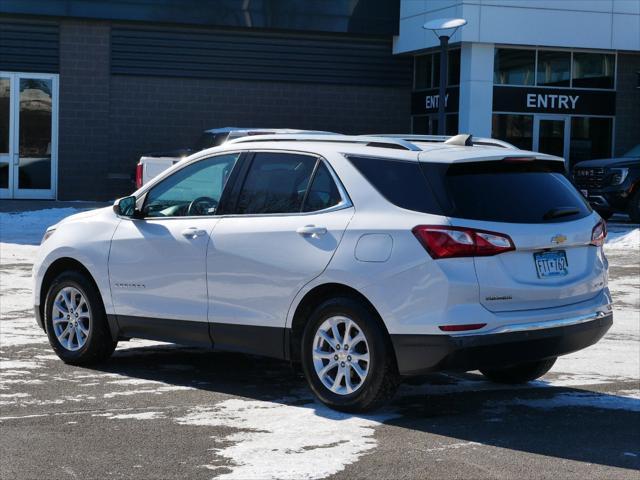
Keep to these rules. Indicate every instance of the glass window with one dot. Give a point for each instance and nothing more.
(400, 182)
(593, 70)
(499, 191)
(554, 68)
(421, 125)
(34, 170)
(276, 183)
(451, 127)
(422, 72)
(453, 68)
(514, 67)
(191, 191)
(515, 129)
(5, 86)
(590, 139)
(323, 192)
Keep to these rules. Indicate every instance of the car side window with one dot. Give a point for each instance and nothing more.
(323, 192)
(275, 183)
(194, 190)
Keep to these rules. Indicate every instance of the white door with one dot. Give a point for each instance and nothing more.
(157, 264)
(288, 221)
(551, 135)
(28, 135)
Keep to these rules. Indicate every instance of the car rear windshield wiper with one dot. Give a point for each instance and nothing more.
(560, 212)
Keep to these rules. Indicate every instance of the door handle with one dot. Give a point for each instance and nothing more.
(16, 159)
(311, 230)
(192, 233)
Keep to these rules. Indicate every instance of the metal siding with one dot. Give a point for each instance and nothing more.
(251, 56)
(29, 47)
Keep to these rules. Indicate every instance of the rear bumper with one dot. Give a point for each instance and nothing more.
(420, 354)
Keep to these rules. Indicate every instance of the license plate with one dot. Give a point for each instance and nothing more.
(551, 264)
(585, 193)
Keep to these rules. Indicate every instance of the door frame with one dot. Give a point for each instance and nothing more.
(14, 137)
(567, 133)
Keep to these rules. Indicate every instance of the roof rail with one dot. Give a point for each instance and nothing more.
(372, 141)
(493, 142)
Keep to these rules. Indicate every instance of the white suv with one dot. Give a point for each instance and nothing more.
(364, 259)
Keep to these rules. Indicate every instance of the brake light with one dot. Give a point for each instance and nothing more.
(139, 175)
(599, 233)
(449, 242)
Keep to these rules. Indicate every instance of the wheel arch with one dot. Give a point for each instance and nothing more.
(310, 301)
(60, 265)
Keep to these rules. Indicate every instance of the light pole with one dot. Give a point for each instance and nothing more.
(443, 29)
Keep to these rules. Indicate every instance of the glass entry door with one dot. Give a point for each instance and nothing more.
(551, 135)
(28, 135)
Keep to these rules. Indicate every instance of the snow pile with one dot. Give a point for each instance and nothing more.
(623, 239)
(29, 227)
(276, 440)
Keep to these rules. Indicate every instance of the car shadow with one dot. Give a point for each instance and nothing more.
(561, 422)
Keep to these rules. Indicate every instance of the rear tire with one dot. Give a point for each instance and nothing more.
(344, 380)
(521, 373)
(76, 320)
(634, 207)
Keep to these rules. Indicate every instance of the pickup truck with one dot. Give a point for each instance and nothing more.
(152, 164)
(612, 185)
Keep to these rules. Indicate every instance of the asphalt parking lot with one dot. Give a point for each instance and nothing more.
(164, 411)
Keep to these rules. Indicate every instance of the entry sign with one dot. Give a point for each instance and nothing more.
(554, 100)
(428, 101)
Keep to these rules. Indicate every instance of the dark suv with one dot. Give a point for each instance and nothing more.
(612, 184)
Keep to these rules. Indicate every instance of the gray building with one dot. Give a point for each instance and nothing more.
(87, 86)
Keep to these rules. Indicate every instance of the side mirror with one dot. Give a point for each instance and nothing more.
(126, 207)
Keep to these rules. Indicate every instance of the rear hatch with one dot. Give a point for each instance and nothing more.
(550, 224)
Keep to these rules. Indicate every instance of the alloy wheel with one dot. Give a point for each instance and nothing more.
(71, 318)
(341, 355)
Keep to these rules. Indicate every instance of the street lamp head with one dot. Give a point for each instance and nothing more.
(444, 26)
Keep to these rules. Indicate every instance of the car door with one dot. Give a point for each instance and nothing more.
(157, 264)
(287, 219)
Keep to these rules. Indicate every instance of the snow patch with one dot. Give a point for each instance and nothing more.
(287, 442)
(132, 416)
(623, 239)
(29, 227)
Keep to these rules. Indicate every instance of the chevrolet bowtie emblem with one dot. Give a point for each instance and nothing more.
(558, 239)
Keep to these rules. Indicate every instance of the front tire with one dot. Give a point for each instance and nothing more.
(521, 373)
(347, 357)
(76, 320)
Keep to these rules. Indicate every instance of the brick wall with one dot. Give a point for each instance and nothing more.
(107, 121)
(150, 113)
(84, 110)
(627, 103)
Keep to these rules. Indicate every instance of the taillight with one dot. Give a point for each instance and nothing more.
(449, 242)
(599, 233)
(138, 175)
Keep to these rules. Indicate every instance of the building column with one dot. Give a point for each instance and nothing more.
(476, 89)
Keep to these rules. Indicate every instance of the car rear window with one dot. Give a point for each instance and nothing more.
(506, 191)
(496, 191)
(400, 182)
